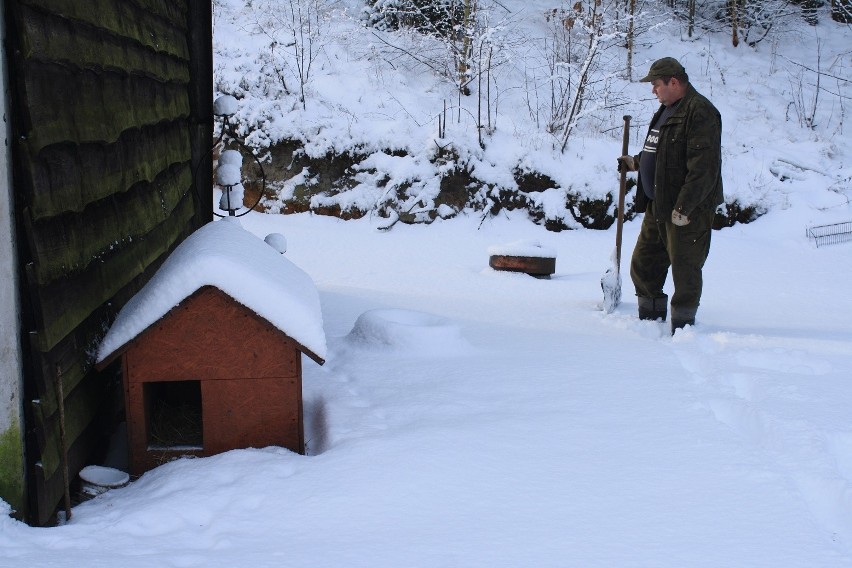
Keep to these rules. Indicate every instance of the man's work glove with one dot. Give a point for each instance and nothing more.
(679, 219)
(627, 164)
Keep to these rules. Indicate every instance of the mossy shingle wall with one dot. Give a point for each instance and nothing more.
(110, 106)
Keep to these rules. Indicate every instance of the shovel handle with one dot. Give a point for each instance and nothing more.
(622, 189)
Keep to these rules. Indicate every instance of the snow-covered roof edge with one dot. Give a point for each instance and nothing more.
(224, 255)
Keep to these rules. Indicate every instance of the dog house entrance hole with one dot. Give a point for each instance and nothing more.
(174, 416)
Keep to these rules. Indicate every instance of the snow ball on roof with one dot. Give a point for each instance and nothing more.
(277, 241)
(224, 255)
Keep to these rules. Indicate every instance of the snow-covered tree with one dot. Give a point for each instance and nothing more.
(453, 22)
(295, 32)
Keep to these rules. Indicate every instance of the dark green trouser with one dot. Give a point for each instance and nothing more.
(662, 244)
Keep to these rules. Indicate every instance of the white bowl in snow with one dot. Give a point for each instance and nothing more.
(98, 479)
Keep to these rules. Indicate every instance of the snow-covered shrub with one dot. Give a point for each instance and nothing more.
(434, 17)
(746, 22)
(572, 66)
(295, 30)
(841, 11)
(455, 24)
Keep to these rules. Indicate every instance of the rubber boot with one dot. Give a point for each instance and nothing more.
(681, 317)
(653, 308)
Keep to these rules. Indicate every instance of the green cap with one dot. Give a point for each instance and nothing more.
(665, 67)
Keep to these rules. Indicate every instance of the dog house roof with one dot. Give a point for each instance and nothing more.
(224, 255)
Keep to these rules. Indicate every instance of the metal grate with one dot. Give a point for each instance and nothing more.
(831, 234)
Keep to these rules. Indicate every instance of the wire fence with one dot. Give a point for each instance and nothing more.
(830, 234)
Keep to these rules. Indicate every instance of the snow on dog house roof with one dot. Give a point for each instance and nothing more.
(224, 255)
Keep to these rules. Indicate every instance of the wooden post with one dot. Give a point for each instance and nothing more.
(199, 40)
(63, 447)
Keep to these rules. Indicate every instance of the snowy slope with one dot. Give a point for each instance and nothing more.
(392, 101)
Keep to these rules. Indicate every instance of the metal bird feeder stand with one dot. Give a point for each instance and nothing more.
(229, 171)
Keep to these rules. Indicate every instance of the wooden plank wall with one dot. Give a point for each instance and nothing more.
(112, 120)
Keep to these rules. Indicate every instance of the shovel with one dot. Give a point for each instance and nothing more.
(611, 281)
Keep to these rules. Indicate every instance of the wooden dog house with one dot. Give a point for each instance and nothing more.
(214, 374)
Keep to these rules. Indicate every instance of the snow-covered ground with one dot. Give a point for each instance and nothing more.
(468, 417)
(480, 418)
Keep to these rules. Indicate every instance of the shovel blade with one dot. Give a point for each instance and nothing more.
(611, 285)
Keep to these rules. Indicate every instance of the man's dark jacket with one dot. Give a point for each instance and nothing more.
(688, 177)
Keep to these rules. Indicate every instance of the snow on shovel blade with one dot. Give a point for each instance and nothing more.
(611, 285)
(611, 281)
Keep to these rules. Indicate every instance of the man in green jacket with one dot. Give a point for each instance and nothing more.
(680, 187)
